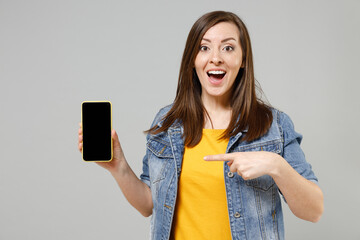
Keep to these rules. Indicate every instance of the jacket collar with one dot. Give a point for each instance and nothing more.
(178, 127)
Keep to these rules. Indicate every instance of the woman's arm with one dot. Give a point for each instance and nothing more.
(293, 175)
(135, 191)
(305, 198)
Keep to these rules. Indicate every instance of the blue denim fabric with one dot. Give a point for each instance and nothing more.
(254, 206)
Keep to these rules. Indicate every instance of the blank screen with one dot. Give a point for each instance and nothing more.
(96, 124)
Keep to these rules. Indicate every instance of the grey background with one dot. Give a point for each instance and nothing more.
(55, 54)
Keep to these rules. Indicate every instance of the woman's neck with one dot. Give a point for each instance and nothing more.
(216, 104)
(219, 112)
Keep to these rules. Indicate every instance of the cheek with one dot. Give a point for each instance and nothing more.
(235, 63)
(235, 67)
(200, 62)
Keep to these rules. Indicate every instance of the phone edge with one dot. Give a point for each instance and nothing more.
(112, 147)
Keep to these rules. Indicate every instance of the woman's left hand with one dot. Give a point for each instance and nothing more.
(249, 165)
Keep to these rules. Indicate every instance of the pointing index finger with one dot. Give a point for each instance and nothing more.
(219, 157)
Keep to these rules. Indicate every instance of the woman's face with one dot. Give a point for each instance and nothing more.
(219, 60)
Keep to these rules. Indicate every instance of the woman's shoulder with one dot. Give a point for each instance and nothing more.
(282, 121)
(280, 117)
(161, 114)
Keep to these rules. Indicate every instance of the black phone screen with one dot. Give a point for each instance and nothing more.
(96, 127)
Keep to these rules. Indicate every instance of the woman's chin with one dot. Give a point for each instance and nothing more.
(216, 93)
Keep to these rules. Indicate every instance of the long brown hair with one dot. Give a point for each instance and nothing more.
(248, 111)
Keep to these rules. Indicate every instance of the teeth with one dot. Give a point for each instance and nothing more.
(216, 72)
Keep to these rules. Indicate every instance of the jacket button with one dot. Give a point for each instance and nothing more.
(230, 174)
(237, 215)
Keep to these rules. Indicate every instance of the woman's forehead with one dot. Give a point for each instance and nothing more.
(222, 31)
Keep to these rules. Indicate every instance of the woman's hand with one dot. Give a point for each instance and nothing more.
(304, 197)
(249, 165)
(118, 154)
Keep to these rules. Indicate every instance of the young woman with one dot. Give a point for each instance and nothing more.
(218, 158)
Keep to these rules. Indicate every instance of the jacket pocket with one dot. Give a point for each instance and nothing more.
(160, 148)
(161, 156)
(263, 183)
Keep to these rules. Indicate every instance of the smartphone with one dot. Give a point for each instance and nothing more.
(96, 126)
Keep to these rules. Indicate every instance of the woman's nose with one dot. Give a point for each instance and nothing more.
(216, 58)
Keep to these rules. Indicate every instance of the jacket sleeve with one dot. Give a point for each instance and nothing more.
(292, 151)
(145, 176)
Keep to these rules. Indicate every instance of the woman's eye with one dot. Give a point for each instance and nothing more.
(228, 48)
(203, 48)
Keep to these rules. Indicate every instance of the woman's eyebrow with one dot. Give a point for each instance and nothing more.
(224, 40)
(228, 39)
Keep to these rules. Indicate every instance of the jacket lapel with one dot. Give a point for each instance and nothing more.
(177, 144)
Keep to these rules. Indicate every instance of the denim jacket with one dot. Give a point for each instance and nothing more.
(254, 206)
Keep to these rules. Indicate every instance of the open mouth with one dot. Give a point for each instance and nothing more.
(216, 75)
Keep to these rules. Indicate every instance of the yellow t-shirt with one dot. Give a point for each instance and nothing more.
(201, 207)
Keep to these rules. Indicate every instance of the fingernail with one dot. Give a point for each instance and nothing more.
(205, 158)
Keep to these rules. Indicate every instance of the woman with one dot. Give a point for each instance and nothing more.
(218, 157)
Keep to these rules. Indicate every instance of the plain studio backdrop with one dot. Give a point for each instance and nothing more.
(55, 54)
